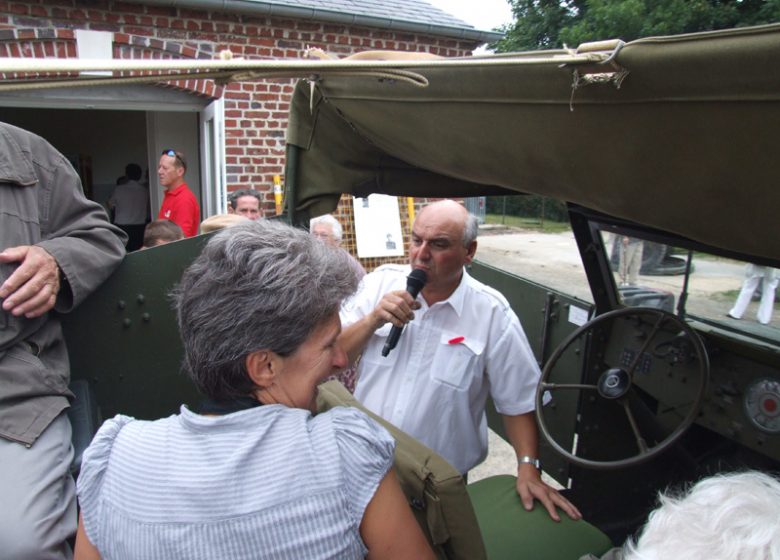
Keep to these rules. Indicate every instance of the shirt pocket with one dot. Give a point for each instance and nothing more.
(26, 376)
(455, 363)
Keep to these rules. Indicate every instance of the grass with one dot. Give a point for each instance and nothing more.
(534, 224)
(726, 295)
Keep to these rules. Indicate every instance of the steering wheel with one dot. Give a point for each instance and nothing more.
(617, 383)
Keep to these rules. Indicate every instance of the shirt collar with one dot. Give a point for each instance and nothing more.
(177, 190)
(457, 298)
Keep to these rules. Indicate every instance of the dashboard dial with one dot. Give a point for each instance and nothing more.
(762, 404)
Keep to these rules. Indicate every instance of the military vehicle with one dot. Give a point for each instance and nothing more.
(666, 140)
(663, 139)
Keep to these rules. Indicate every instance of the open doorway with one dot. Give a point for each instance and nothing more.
(103, 129)
(100, 143)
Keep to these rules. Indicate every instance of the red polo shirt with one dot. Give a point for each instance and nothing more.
(180, 207)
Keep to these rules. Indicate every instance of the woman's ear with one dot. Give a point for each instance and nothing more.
(260, 368)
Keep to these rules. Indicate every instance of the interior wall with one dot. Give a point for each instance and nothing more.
(109, 139)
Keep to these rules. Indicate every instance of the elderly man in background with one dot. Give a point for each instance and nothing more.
(56, 247)
(328, 229)
(464, 344)
(246, 203)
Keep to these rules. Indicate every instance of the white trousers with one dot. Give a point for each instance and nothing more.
(754, 276)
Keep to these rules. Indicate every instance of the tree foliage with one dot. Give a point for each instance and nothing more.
(558, 23)
(530, 206)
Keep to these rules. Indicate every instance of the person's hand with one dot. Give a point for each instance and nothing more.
(395, 307)
(530, 486)
(32, 288)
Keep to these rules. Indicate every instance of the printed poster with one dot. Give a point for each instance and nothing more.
(378, 226)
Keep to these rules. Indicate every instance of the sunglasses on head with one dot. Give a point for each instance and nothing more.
(173, 154)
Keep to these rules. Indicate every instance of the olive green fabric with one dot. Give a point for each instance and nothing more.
(511, 533)
(435, 490)
(686, 144)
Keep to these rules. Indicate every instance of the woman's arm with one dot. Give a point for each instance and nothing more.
(85, 550)
(389, 529)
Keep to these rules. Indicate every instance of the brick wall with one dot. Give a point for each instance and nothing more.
(255, 112)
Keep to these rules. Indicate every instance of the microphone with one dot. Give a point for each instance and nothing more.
(414, 283)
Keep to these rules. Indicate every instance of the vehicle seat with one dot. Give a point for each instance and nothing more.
(435, 489)
(482, 520)
(84, 420)
(510, 532)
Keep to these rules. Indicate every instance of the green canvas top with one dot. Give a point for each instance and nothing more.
(685, 144)
(674, 133)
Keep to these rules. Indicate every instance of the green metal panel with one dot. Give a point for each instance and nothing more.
(124, 339)
(545, 316)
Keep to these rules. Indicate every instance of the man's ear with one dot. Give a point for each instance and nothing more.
(471, 251)
(260, 368)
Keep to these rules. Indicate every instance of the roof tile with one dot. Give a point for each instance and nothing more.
(413, 11)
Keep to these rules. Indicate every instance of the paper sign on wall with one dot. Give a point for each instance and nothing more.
(378, 226)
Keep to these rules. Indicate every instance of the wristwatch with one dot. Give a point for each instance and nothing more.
(530, 460)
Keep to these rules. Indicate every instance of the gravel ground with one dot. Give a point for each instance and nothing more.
(552, 259)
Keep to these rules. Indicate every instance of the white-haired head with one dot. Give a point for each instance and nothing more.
(326, 228)
(725, 517)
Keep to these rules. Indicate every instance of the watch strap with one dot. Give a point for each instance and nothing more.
(527, 459)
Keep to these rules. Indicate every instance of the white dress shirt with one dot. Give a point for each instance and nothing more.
(130, 200)
(434, 385)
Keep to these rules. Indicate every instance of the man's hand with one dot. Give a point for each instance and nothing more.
(530, 486)
(33, 287)
(395, 307)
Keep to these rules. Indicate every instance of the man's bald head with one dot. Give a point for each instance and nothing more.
(454, 211)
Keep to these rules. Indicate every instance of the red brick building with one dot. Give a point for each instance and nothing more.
(233, 136)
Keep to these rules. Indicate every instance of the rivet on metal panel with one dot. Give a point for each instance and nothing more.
(146, 317)
(121, 304)
(140, 298)
(126, 322)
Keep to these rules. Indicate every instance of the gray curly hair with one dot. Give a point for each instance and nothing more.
(259, 285)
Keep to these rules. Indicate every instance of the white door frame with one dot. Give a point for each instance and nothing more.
(212, 158)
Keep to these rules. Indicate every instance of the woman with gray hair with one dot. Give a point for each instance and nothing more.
(253, 474)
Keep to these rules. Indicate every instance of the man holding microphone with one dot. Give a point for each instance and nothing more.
(464, 344)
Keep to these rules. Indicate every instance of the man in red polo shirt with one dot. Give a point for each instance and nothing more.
(179, 204)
